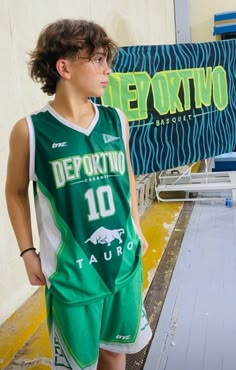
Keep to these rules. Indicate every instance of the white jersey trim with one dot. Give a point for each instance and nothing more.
(86, 131)
(123, 124)
(32, 175)
(50, 236)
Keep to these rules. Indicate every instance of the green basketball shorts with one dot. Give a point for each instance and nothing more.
(117, 323)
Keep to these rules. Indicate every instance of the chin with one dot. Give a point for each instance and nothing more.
(98, 94)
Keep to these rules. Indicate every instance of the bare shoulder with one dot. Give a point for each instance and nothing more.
(20, 127)
(19, 142)
(20, 134)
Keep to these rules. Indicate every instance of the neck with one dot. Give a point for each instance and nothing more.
(79, 111)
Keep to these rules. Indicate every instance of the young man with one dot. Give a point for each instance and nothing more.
(91, 243)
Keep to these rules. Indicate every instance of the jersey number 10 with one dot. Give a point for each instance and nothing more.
(100, 202)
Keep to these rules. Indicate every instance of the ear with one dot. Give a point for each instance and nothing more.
(62, 68)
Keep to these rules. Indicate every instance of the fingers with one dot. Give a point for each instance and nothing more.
(145, 250)
(144, 246)
(36, 280)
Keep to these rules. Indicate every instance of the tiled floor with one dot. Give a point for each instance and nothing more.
(197, 326)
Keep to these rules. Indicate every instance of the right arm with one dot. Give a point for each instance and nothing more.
(17, 184)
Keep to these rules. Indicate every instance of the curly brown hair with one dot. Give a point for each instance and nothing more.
(64, 39)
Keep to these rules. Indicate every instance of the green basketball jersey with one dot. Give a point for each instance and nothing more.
(89, 245)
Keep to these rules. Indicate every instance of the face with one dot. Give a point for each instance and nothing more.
(89, 75)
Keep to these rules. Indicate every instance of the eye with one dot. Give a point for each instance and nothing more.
(99, 59)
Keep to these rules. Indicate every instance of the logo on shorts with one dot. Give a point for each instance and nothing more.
(105, 236)
(123, 337)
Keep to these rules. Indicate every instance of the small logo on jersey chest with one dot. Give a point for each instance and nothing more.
(109, 138)
(59, 145)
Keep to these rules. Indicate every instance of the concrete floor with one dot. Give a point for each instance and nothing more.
(197, 326)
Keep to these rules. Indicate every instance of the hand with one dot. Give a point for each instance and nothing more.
(33, 268)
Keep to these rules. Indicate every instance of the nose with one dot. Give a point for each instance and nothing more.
(107, 69)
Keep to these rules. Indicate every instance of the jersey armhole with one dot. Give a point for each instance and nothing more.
(123, 124)
(32, 175)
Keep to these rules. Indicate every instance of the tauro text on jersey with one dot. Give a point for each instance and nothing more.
(77, 167)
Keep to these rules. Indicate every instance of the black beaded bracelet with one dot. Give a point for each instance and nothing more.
(26, 250)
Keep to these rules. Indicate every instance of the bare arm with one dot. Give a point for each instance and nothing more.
(134, 203)
(17, 184)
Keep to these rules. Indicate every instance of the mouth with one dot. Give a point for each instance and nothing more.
(104, 83)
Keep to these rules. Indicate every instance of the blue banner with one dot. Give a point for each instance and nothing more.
(180, 101)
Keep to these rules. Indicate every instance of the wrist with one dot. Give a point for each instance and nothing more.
(27, 250)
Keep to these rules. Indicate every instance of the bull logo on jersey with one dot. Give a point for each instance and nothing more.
(105, 236)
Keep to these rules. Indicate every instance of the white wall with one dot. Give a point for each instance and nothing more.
(202, 17)
(129, 22)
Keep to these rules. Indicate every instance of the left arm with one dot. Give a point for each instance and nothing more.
(134, 203)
